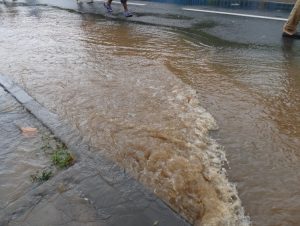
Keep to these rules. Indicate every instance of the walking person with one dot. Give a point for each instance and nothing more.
(290, 27)
(107, 5)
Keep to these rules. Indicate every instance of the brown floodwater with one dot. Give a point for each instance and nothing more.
(137, 92)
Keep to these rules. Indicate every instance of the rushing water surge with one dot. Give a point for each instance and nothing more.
(116, 82)
(127, 104)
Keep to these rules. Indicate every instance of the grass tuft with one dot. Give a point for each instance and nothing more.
(41, 176)
(62, 157)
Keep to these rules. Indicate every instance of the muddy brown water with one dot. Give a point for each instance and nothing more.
(86, 69)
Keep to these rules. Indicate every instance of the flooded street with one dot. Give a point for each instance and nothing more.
(135, 92)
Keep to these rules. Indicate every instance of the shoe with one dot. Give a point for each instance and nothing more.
(108, 7)
(127, 14)
(294, 36)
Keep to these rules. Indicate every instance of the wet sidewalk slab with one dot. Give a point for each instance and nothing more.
(20, 153)
(94, 191)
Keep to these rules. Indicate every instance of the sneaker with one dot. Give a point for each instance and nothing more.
(127, 14)
(108, 7)
(295, 36)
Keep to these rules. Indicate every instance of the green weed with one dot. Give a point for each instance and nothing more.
(41, 176)
(62, 157)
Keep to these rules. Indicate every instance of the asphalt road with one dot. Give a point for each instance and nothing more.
(254, 27)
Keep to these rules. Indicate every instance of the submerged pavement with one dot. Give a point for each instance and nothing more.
(112, 197)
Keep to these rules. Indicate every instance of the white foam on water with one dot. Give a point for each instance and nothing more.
(219, 199)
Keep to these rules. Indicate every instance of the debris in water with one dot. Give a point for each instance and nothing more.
(28, 131)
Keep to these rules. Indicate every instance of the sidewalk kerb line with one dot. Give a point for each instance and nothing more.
(235, 14)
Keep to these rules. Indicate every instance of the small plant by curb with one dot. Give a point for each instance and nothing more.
(41, 176)
(62, 157)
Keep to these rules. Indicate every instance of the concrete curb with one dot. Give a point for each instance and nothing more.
(49, 119)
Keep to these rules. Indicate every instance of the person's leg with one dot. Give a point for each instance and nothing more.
(126, 12)
(107, 5)
(124, 3)
(291, 25)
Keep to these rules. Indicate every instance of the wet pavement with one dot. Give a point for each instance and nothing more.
(21, 153)
(245, 76)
